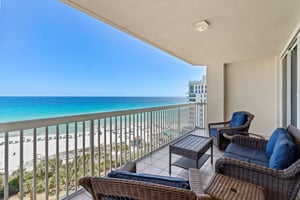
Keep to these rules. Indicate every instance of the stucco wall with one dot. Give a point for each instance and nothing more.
(251, 86)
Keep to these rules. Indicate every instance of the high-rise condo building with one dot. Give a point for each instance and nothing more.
(197, 91)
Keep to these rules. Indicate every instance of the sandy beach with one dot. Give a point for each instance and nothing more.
(14, 148)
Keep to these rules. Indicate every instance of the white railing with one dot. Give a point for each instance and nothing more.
(42, 159)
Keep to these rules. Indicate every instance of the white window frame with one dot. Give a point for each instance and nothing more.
(289, 81)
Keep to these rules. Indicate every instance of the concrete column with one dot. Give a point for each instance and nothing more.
(215, 92)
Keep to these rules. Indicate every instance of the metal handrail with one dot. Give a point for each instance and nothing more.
(98, 142)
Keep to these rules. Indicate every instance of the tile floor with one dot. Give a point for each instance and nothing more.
(158, 163)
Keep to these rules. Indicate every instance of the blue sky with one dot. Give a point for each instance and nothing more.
(50, 49)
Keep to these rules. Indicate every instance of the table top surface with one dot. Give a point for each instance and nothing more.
(225, 187)
(192, 143)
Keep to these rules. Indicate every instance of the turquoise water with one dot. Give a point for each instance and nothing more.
(27, 108)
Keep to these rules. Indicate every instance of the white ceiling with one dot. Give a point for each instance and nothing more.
(239, 29)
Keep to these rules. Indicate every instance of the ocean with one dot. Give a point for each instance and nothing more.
(28, 108)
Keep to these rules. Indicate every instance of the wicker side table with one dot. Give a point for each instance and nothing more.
(224, 187)
(193, 150)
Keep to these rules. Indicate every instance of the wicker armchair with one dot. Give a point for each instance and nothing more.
(277, 184)
(217, 129)
(104, 188)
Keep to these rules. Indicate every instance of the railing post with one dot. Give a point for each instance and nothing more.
(130, 157)
(195, 117)
(34, 163)
(125, 125)
(116, 142)
(179, 121)
(141, 134)
(144, 130)
(121, 140)
(6, 188)
(75, 156)
(204, 115)
(57, 162)
(92, 147)
(110, 142)
(151, 131)
(21, 166)
(46, 162)
(105, 146)
(134, 131)
(83, 147)
(99, 147)
(67, 159)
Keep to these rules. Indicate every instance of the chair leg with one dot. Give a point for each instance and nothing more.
(224, 142)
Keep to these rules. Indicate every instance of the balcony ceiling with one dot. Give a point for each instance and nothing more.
(239, 29)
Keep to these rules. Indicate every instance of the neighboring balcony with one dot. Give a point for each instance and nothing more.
(44, 159)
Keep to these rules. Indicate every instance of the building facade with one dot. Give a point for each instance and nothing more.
(197, 94)
(197, 91)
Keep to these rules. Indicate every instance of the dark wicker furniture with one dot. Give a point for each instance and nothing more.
(223, 127)
(225, 187)
(278, 184)
(192, 148)
(104, 188)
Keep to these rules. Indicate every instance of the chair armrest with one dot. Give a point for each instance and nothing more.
(195, 181)
(277, 184)
(217, 123)
(129, 166)
(249, 141)
(85, 182)
(234, 129)
(204, 197)
(197, 185)
(235, 168)
(256, 136)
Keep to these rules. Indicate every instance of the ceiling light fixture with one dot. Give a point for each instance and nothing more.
(201, 25)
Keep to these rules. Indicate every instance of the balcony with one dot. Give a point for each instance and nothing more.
(249, 66)
(55, 153)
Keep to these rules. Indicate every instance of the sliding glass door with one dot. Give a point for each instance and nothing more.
(294, 86)
(290, 66)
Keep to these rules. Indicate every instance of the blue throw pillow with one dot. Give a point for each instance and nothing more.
(271, 142)
(238, 119)
(162, 180)
(285, 152)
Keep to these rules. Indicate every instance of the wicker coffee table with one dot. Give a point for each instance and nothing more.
(192, 148)
(224, 187)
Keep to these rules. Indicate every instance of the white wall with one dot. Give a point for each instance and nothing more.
(215, 92)
(252, 86)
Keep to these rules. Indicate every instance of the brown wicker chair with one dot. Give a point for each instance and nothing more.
(104, 188)
(223, 127)
(277, 184)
